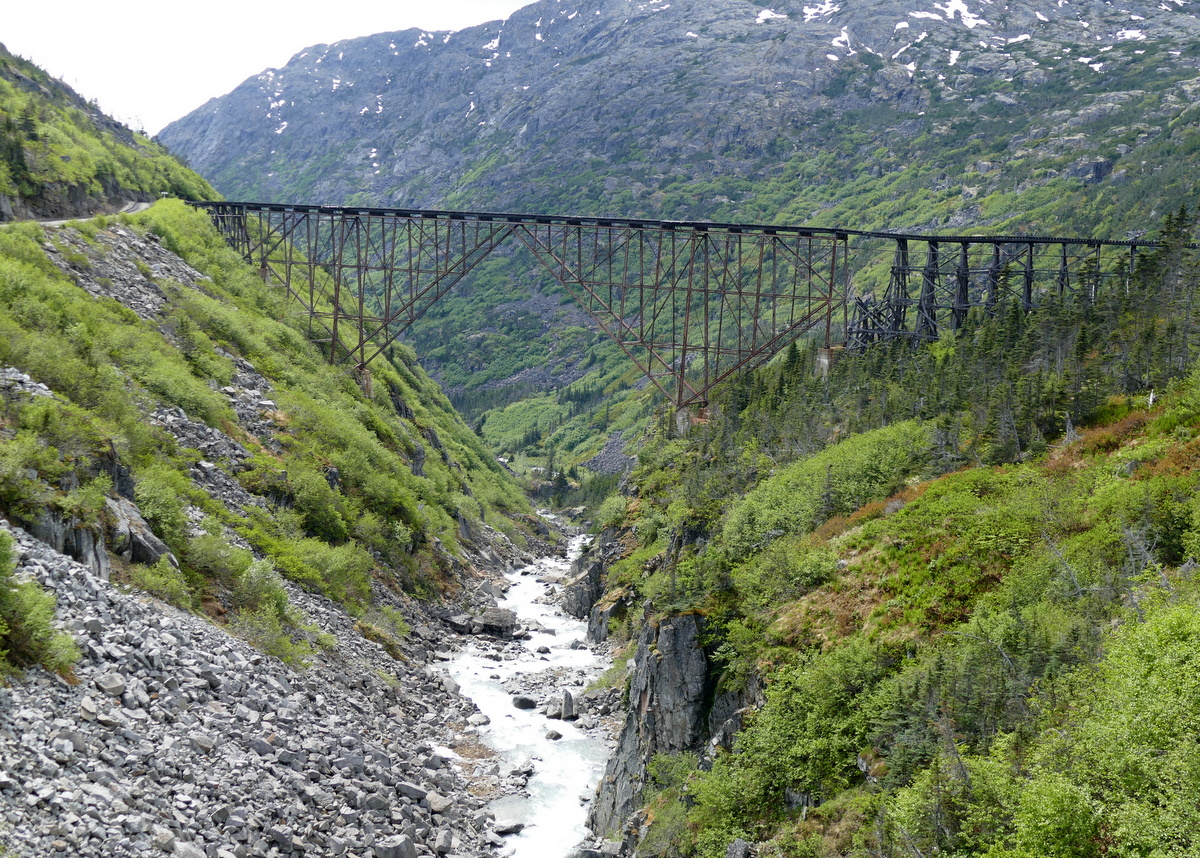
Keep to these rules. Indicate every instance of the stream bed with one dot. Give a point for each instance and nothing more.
(565, 771)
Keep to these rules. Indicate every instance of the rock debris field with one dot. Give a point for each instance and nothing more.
(174, 738)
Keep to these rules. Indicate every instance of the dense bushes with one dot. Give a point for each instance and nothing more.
(54, 145)
(958, 686)
(353, 488)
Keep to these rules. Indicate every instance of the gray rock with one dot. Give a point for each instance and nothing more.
(130, 537)
(202, 742)
(411, 790)
(261, 747)
(738, 849)
(400, 846)
(499, 622)
(112, 684)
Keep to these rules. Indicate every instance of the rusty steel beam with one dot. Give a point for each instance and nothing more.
(691, 304)
(983, 274)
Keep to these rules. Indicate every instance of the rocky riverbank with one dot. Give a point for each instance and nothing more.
(175, 738)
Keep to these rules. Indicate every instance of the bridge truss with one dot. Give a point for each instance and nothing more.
(936, 281)
(690, 303)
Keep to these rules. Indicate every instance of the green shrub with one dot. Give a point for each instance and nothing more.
(340, 572)
(27, 633)
(211, 555)
(164, 581)
(260, 587)
(265, 629)
(386, 626)
(161, 492)
(612, 512)
(319, 504)
(838, 480)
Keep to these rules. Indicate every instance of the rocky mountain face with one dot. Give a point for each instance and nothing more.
(606, 106)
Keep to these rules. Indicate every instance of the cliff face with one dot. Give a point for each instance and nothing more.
(668, 690)
(673, 706)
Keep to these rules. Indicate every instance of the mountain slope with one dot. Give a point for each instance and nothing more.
(60, 157)
(933, 602)
(690, 111)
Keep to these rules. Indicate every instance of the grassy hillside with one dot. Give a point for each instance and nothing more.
(336, 489)
(61, 157)
(964, 576)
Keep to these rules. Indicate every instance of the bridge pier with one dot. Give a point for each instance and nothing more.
(685, 419)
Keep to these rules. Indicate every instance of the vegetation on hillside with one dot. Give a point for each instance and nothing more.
(964, 574)
(956, 174)
(349, 488)
(59, 156)
(27, 632)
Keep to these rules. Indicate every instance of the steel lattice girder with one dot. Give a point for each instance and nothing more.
(934, 282)
(690, 304)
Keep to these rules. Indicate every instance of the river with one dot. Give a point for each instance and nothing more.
(566, 770)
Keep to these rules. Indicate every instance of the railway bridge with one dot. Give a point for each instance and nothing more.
(690, 303)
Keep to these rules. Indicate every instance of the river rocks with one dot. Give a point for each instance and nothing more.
(178, 739)
(567, 707)
(523, 702)
(500, 622)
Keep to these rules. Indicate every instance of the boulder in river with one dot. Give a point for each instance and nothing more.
(499, 622)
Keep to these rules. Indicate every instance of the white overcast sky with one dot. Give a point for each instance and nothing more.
(149, 62)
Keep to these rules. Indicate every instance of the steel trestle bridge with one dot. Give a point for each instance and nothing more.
(690, 303)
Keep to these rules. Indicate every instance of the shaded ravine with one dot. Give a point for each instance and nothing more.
(565, 771)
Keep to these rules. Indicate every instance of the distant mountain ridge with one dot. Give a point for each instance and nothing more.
(610, 103)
